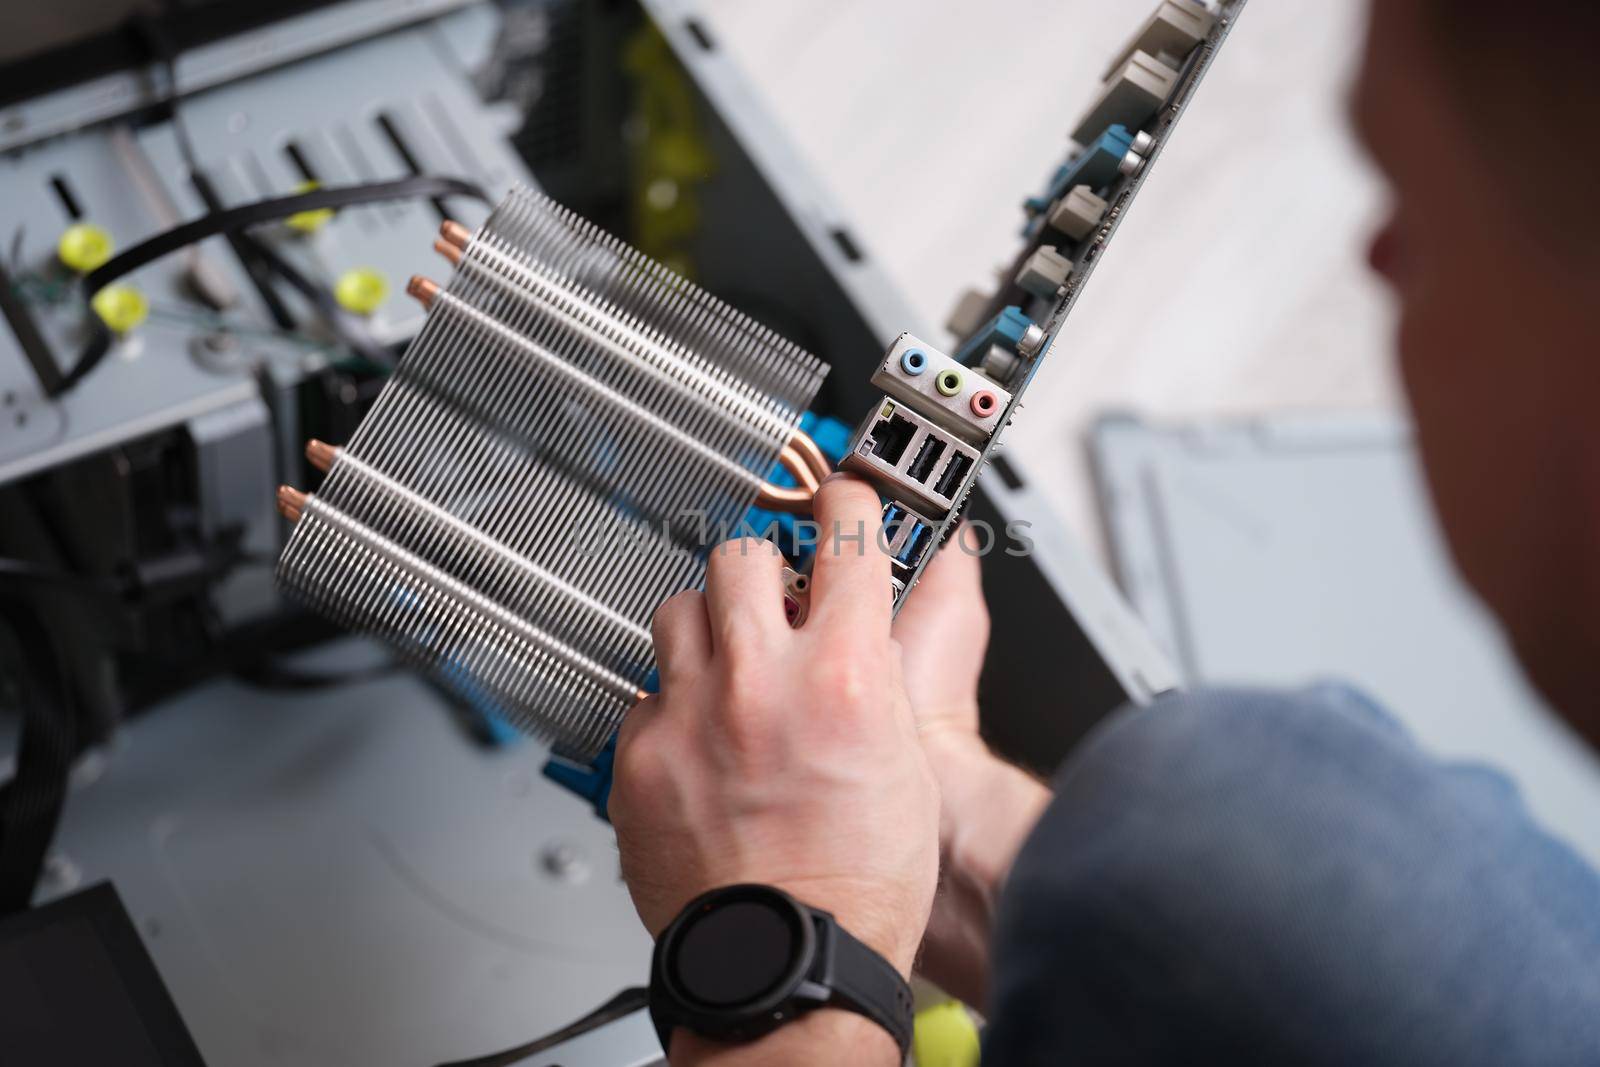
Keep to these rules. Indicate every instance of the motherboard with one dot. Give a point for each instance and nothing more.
(927, 440)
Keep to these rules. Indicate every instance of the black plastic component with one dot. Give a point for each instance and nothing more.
(701, 35)
(79, 988)
(847, 245)
(249, 253)
(927, 459)
(891, 437)
(954, 471)
(409, 158)
(1008, 474)
(298, 160)
(63, 191)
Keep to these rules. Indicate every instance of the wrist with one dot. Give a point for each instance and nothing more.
(750, 973)
(955, 753)
(989, 807)
(868, 914)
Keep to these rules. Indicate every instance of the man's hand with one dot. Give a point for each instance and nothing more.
(787, 757)
(944, 632)
(989, 806)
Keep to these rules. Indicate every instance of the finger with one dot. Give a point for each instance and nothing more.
(635, 720)
(951, 588)
(744, 592)
(635, 737)
(850, 578)
(682, 637)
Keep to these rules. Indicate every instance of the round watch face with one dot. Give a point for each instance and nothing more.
(737, 950)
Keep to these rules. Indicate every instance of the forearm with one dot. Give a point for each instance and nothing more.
(989, 808)
(825, 1035)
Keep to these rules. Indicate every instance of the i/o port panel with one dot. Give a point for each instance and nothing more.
(959, 398)
(911, 458)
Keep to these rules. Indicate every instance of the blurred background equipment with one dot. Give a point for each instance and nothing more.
(212, 210)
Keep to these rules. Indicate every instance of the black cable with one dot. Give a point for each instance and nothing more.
(260, 261)
(153, 34)
(232, 220)
(352, 333)
(247, 250)
(270, 210)
(623, 1004)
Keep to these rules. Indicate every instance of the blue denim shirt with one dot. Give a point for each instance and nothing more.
(1255, 877)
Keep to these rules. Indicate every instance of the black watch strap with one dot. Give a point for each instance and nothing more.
(827, 967)
(868, 984)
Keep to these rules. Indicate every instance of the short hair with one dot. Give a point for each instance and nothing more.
(1525, 73)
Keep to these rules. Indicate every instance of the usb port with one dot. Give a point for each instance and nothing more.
(954, 472)
(906, 534)
(926, 460)
(916, 543)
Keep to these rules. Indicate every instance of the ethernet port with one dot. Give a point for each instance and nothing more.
(892, 436)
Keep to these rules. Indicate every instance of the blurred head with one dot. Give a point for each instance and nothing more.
(1482, 117)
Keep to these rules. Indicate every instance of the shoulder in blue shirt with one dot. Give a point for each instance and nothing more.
(1237, 876)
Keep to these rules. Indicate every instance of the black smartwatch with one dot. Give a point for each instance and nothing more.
(743, 960)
